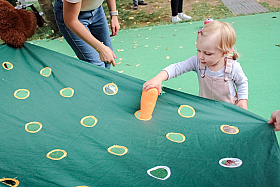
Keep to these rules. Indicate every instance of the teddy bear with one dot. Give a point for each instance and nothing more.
(16, 25)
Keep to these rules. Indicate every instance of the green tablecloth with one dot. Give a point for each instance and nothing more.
(58, 128)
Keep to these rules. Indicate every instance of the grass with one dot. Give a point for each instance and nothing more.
(129, 18)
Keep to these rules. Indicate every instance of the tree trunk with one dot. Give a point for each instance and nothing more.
(47, 8)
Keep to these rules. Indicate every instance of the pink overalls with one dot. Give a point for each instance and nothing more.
(217, 88)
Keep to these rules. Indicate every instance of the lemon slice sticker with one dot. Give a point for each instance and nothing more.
(186, 111)
(67, 92)
(110, 89)
(33, 127)
(89, 121)
(229, 129)
(21, 93)
(10, 182)
(117, 150)
(7, 65)
(57, 154)
(176, 137)
(160, 172)
(46, 72)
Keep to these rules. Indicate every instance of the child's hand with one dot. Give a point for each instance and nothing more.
(152, 83)
(275, 119)
(242, 103)
(156, 81)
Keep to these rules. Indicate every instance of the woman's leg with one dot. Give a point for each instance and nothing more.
(83, 50)
(180, 6)
(174, 7)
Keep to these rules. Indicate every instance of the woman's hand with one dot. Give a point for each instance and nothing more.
(115, 26)
(106, 54)
(275, 119)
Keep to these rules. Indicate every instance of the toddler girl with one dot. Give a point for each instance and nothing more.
(220, 76)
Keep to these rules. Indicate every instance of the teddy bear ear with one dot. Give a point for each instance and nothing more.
(30, 22)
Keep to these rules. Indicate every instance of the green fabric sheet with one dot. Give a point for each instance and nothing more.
(59, 128)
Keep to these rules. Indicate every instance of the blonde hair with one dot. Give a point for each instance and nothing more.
(225, 36)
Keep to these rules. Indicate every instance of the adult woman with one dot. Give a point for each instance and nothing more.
(85, 28)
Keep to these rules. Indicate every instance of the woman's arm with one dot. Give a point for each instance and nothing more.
(70, 14)
(115, 26)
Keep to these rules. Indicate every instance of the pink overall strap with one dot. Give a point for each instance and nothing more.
(202, 67)
(228, 67)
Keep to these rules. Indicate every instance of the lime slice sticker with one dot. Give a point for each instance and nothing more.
(230, 162)
(7, 65)
(110, 89)
(160, 172)
(229, 129)
(10, 182)
(186, 111)
(46, 71)
(117, 150)
(57, 154)
(33, 127)
(67, 92)
(89, 121)
(176, 137)
(21, 93)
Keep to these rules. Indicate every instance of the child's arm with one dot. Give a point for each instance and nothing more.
(156, 81)
(241, 83)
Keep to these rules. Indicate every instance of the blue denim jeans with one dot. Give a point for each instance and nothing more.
(95, 21)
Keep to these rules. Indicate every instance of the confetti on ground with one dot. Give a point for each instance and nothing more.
(131, 18)
(150, 29)
(180, 46)
(137, 65)
(167, 48)
(118, 63)
(146, 45)
(167, 57)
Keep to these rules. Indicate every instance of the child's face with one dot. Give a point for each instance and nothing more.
(208, 53)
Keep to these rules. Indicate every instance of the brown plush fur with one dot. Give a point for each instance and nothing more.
(16, 25)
